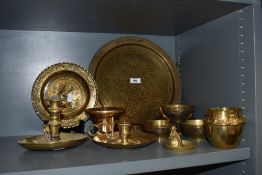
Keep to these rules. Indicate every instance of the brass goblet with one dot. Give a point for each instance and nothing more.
(104, 118)
(177, 113)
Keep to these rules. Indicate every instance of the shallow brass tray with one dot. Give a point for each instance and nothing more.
(41, 142)
(136, 74)
(71, 82)
(137, 139)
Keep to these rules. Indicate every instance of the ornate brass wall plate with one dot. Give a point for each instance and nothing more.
(71, 82)
(136, 74)
(41, 142)
(137, 139)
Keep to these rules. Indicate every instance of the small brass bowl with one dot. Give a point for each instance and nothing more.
(223, 136)
(159, 127)
(178, 112)
(193, 128)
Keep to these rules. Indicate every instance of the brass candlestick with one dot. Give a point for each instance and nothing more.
(54, 118)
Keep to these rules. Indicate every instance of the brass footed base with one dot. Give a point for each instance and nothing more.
(187, 146)
(43, 142)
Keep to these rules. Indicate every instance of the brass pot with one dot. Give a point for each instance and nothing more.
(223, 126)
(223, 136)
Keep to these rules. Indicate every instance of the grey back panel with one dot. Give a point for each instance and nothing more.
(24, 54)
(217, 69)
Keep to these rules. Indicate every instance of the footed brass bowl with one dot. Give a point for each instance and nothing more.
(159, 127)
(178, 112)
(193, 128)
(104, 117)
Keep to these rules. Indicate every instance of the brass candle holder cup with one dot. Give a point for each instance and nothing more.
(223, 126)
(53, 139)
(177, 113)
(104, 119)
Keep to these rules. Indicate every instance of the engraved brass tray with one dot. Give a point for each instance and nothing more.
(135, 74)
(136, 139)
(72, 83)
(41, 142)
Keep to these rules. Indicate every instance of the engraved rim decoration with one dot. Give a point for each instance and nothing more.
(135, 74)
(72, 83)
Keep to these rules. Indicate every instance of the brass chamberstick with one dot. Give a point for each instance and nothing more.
(135, 74)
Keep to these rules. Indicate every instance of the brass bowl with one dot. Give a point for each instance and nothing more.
(178, 112)
(193, 128)
(224, 116)
(223, 136)
(159, 127)
(104, 117)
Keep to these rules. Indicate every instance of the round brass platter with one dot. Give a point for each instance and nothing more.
(72, 83)
(135, 74)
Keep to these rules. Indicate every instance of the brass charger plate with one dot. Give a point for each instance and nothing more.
(136, 74)
(137, 139)
(41, 142)
(71, 82)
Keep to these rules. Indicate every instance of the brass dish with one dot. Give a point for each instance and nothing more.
(193, 128)
(159, 127)
(69, 81)
(136, 74)
(42, 142)
(135, 140)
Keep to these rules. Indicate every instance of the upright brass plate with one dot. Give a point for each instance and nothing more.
(71, 82)
(137, 75)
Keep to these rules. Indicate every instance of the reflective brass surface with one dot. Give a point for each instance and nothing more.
(72, 83)
(135, 74)
(42, 142)
(223, 126)
(174, 142)
(159, 127)
(104, 118)
(177, 113)
(54, 117)
(136, 139)
(224, 116)
(193, 128)
(223, 136)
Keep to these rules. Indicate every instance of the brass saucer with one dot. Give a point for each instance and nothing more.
(136, 139)
(42, 142)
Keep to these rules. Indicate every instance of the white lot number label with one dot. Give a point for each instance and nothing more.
(135, 80)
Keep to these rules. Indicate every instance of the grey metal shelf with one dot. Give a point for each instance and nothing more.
(165, 17)
(90, 158)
